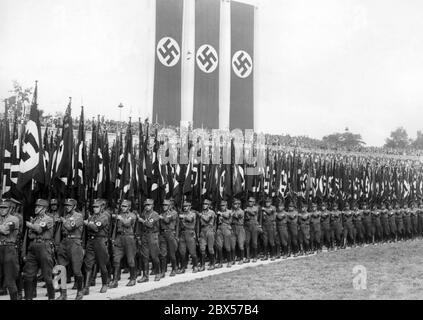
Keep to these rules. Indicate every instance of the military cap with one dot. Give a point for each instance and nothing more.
(148, 202)
(126, 203)
(166, 203)
(70, 202)
(237, 201)
(223, 203)
(206, 201)
(53, 201)
(251, 199)
(15, 202)
(4, 203)
(97, 203)
(41, 202)
(186, 204)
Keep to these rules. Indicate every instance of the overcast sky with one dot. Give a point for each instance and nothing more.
(324, 65)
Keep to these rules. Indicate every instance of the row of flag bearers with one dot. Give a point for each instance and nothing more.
(112, 239)
(126, 205)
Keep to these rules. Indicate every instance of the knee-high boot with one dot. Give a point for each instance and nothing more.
(28, 289)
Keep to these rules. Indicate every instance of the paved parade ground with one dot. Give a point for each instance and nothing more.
(393, 272)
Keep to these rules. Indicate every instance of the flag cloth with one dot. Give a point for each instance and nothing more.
(127, 172)
(242, 75)
(80, 178)
(15, 160)
(167, 75)
(62, 179)
(142, 177)
(31, 164)
(206, 84)
(7, 160)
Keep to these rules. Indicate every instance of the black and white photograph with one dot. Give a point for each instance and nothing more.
(212, 150)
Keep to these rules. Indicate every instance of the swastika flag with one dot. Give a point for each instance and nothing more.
(206, 85)
(242, 65)
(167, 75)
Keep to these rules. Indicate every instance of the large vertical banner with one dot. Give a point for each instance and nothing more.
(242, 74)
(206, 85)
(167, 72)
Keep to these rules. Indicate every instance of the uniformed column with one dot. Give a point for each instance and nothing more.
(225, 64)
(188, 62)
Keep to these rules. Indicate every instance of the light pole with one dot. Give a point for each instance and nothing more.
(120, 106)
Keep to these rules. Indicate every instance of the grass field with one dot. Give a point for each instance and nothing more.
(394, 271)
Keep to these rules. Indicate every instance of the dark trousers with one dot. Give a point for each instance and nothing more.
(70, 252)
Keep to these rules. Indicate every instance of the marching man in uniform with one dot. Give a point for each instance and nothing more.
(70, 248)
(358, 225)
(326, 227)
(187, 237)
(224, 233)
(293, 229)
(251, 229)
(336, 226)
(384, 219)
(40, 250)
(304, 221)
(316, 231)
(9, 263)
(207, 223)
(269, 228)
(238, 227)
(282, 236)
(124, 244)
(349, 233)
(96, 250)
(16, 210)
(149, 220)
(168, 237)
(392, 223)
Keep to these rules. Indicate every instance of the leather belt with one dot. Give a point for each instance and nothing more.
(124, 234)
(71, 236)
(7, 243)
(41, 240)
(95, 237)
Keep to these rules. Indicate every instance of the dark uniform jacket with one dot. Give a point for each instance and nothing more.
(207, 218)
(269, 215)
(125, 225)
(9, 229)
(43, 228)
(152, 222)
(169, 220)
(73, 225)
(238, 217)
(98, 225)
(251, 214)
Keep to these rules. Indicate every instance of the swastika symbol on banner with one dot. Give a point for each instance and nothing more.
(242, 64)
(168, 51)
(207, 58)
